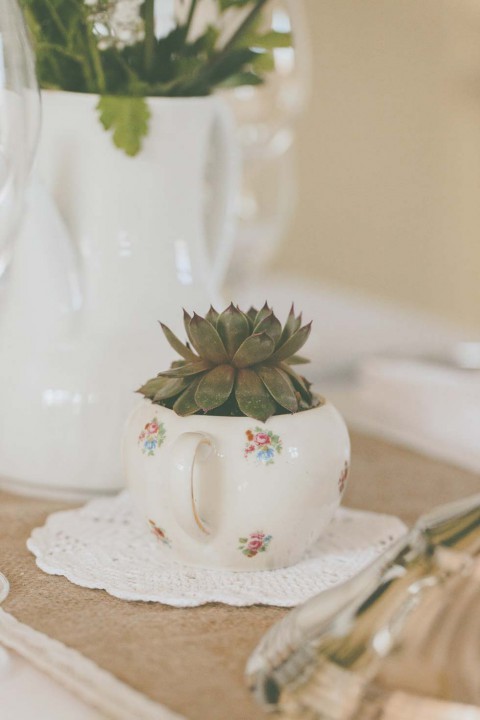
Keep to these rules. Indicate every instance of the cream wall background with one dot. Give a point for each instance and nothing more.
(389, 154)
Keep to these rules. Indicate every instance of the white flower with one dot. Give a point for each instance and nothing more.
(116, 23)
(164, 17)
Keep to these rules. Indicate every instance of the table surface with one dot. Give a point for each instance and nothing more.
(208, 645)
(349, 327)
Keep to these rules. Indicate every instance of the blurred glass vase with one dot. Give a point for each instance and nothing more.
(19, 116)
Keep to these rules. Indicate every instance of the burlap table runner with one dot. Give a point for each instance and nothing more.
(192, 660)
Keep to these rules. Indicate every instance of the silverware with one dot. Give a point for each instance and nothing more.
(338, 656)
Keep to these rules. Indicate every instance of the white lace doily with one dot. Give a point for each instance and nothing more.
(104, 545)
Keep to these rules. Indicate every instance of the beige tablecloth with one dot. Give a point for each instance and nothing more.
(192, 660)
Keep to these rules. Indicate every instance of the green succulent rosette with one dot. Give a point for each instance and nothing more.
(235, 363)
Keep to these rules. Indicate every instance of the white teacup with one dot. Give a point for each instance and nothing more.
(232, 492)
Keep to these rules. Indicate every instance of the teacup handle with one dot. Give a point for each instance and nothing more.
(188, 449)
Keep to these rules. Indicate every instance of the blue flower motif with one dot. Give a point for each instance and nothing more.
(266, 453)
(152, 437)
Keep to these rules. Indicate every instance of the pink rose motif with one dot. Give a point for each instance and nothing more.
(256, 542)
(152, 428)
(262, 439)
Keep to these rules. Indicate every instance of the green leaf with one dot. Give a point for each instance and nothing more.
(240, 79)
(205, 44)
(263, 313)
(233, 328)
(299, 382)
(212, 316)
(272, 326)
(162, 388)
(233, 62)
(186, 321)
(186, 404)
(279, 386)
(128, 118)
(293, 344)
(263, 63)
(215, 387)
(267, 41)
(207, 341)
(177, 345)
(252, 396)
(151, 387)
(253, 350)
(187, 370)
(170, 388)
(291, 326)
(251, 315)
(297, 360)
(225, 4)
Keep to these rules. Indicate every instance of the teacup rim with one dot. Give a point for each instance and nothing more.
(241, 419)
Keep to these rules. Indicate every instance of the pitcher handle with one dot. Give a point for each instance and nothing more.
(188, 450)
(224, 190)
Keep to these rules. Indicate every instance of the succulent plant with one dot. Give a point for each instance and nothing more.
(235, 363)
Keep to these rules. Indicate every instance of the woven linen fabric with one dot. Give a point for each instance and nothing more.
(104, 545)
(192, 660)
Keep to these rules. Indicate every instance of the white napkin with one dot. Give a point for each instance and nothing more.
(430, 407)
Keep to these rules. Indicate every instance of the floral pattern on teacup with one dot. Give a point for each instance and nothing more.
(263, 445)
(255, 543)
(343, 478)
(160, 534)
(152, 437)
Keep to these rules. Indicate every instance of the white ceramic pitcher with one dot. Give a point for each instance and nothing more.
(111, 245)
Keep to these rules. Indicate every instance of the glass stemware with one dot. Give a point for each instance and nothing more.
(19, 122)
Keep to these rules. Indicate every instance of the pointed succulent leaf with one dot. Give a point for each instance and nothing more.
(194, 368)
(170, 388)
(186, 404)
(293, 344)
(297, 360)
(151, 387)
(299, 382)
(215, 387)
(177, 345)
(272, 326)
(253, 350)
(187, 319)
(207, 341)
(262, 314)
(253, 397)
(233, 328)
(212, 316)
(279, 386)
(251, 315)
(291, 326)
